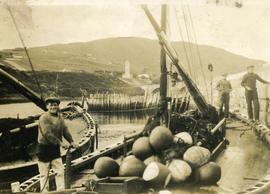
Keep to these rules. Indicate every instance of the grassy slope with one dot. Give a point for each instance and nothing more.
(110, 54)
(69, 83)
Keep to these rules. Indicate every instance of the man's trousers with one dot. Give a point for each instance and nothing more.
(224, 102)
(57, 166)
(252, 99)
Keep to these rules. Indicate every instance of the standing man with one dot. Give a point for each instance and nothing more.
(52, 128)
(249, 83)
(224, 88)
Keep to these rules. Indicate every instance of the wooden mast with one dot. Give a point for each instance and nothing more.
(163, 105)
(204, 108)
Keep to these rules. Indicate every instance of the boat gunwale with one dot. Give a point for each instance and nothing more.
(260, 130)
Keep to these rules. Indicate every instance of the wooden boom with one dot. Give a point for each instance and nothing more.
(23, 89)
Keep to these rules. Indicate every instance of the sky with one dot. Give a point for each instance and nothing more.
(244, 30)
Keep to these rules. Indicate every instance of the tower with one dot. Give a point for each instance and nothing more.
(127, 74)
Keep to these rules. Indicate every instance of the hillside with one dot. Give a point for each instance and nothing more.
(65, 84)
(143, 54)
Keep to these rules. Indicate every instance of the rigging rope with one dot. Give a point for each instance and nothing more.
(189, 42)
(198, 50)
(189, 37)
(182, 37)
(26, 51)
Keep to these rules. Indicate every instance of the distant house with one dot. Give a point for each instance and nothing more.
(66, 70)
(144, 76)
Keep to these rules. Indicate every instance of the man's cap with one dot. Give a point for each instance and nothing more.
(250, 66)
(52, 100)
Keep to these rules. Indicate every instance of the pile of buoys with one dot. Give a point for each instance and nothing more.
(148, 161)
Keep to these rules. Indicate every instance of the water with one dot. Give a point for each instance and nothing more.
(29, 109)
(113, 124)
(22, 109)
(112, 127)
(117, 118)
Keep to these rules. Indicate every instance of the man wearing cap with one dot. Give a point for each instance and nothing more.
(224, 88)
(249, 83)
(52, 129)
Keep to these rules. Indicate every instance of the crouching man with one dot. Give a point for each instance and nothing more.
(52, 129)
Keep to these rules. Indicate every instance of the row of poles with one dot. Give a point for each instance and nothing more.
(100, 102)
(106, 102)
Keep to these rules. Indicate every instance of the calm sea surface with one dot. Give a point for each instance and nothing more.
(115, 122)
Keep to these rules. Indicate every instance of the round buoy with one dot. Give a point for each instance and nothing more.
(184, 137)
(161, 138)
(180, 170)
(157, 175)
(141, 148)
(106, 167)
(131, 166)
(208, 174)
(151, 159)
(129, 157)
(197, 156)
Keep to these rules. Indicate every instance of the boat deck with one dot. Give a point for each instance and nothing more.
(243, 163)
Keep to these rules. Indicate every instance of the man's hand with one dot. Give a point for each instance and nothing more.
(74, 145)
(64, 145)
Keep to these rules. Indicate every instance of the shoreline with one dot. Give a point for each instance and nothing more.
(11, 100)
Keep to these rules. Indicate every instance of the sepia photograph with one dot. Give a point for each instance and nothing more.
(135, 96)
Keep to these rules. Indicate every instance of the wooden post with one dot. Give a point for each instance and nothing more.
(68, 172)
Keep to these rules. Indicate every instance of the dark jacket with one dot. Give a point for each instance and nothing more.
(249, 80)
(51, 130)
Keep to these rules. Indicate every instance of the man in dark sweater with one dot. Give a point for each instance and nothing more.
(52, 129)
(249, 83)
